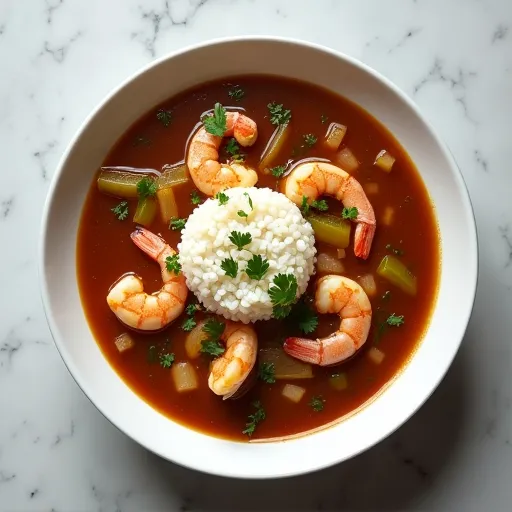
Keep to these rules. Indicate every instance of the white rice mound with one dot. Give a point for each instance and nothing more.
(279, 233)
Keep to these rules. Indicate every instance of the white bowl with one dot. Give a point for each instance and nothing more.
(167, 77)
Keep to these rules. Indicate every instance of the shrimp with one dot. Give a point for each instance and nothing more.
(229, 371)
(139, 310)
(314, 179)
(336, 294)
(208, 174)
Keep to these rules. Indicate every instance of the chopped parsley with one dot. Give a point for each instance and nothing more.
(398, 252)
(192, 308)
(254, 419)
(305, 317)
(213, 330)
(188, 324)
(278, 114)
(222, 198)
(324, 118)
(195, 198)
(257, 267)
(349, 213)
(395, 320)
(177, 224)
(236, 93)
(319, 205)
(121, 210)
(317, 403)
(267, 373)
(283, 294)
(166, 360)
(249, 199)
(240, 239)
(241, 213)
(164, 116)
(309, 140)
(230, 267)
(278, 171)
(233, 149)
(216, 124)
(146, 187)
(172, 264)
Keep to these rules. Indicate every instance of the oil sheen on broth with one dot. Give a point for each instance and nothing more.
(406, 231)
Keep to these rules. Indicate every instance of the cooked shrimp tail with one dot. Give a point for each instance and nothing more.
(340, 295)
(139, 310)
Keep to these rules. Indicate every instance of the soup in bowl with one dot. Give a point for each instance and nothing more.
(256, 264)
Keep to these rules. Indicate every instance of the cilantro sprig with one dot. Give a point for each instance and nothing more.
(121, 210)
(278, 171)
(177, 224)
(230, 267)
(172, 264)
(240, 239)
(395, 320)
(252, 421)
(195, 198)
(283, 293)
(146, 187)
(164, 116)
(213, 330)
(317, 204)
(222, 198)
(349, 213)
(278, 114)
(236, 93)
(257, 267)
(166, 360)
(267, 372)
(216, 124)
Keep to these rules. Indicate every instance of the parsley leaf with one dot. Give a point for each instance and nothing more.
(320, 205)
(309, 140)
(177, 224)
(230, 267)
(236, 93)
(216, 124)
(395, 320)
(192, 308)
(240, 239)
(317, 403)
(305, 205)
(195, 198)
(305, 317)
(324, 118)
(283, 294)
(213, 330)
(398, 252)
(166, 360)
(121, 210)
(212, 348)
(146, 187)
(164, 116)
(349, 213)
(249, 199)
(278, 115)
(257, 267)
(254, 419)
(232, 147)
(267, 373)
(188, 324)
(241, 213)
(222, 198)
(278, 171)
(172, 264)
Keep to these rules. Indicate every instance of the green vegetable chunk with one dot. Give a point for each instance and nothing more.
(145, 213)
(331, 229)
(392, 269)
(118, 183)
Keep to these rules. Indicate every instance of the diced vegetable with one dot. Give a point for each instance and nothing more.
(334, 136)
(392, 269)
(119, 183)
(124, 342)
(285, 367)
(375, 355)
(384, 161)
(338, 381)
(167, 202)
(327, 264)
(293, 393)
(341, 253)
(331, 229)
(146, 211)
(274, 146)
(387, 217)
(194, 339)
(371, 188)
(173, 175)
(184, 376)
(367, 283)
(346, 160)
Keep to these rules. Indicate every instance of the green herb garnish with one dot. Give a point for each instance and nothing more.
(249, 199)
(283, 294)
(349, 213)
(222, 198)
(254, 419)
(146, 187)
(216, 124)
(188, 324)
(230, 267)
(278, 115)
(211, 345)
(309, 140)
(192, 308)
(172, 264)
(278, 171)
(164, 116)
(395, 320)
(241, 213)
(177, 224)
(236, 93)
(306, 318)
(317, 403)
(166, 360)
(195, 198)
(319, 205)
(121, 210)
(267, 373)
(240, 239)
(257, 267)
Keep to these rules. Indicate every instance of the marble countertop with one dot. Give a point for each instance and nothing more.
(59, 58)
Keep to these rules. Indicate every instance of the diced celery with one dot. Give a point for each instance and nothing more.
(331, 229)
(173, 175)
(146, 211)
(274, 146)
(118, 183)
(334, 136)
(285, 367)
(392, 269)
(338, 381)
(167, 202)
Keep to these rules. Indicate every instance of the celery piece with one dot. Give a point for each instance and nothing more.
(173, 175)
(285, 367)
(118, 183)
(146, 211)
(274, 146)
(331, 229)
(396, 272)
(167, 202)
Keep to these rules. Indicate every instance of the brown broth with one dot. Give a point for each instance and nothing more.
(105, 252)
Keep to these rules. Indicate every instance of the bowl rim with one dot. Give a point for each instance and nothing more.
(472, 251)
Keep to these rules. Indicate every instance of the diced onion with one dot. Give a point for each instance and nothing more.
(384, 161)
(184, 376)
(341, 253)
(371, 188)
(285, 367)
(346, 160)
(387, 217)
(338, 381)
(367, 283)
(327, 264)
(334, 136)
(124, 342)
(293, 393)
(375, 355)
(194, 339)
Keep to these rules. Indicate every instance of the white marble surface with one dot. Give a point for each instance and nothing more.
(59, 58)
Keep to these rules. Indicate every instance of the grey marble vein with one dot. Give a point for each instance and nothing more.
(51, 7)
